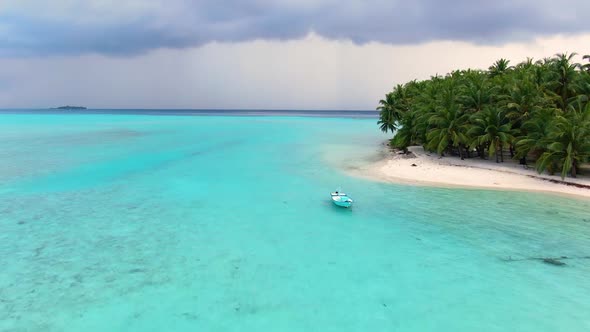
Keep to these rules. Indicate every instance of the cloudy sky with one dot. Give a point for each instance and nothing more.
(257, 54)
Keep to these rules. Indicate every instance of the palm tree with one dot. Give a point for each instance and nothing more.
(499, 67)
(388, 115)
(406, 134)
(527, 64)
(490, 128)
(478, 92)
(569, 135)
(540, 72)
(448, 131)
(523, 98)
(448, 122)
(395, 104)
(564, 73)
(534, 136)
(501, 75)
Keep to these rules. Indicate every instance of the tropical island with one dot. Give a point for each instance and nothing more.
(496, 126)
(68, 107)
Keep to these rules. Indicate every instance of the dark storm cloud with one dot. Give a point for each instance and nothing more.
(88, 28)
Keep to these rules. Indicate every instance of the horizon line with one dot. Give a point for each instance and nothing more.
(195, 109)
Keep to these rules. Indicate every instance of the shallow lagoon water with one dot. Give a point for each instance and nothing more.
(152, 223)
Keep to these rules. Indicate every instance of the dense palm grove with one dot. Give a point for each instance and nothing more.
(535, 111)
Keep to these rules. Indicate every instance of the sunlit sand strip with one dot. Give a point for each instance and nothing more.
(423, 168)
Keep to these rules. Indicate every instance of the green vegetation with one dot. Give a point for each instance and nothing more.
(532, 111)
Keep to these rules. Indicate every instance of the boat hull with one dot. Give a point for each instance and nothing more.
(341, 200)
(343, 204)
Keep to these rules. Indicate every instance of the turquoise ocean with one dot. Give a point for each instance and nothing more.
(202, 222)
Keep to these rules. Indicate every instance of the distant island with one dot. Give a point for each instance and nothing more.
(70, 108)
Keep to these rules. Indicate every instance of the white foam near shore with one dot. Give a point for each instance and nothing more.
(423, 168)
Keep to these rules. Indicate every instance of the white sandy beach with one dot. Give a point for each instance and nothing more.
(423, 168)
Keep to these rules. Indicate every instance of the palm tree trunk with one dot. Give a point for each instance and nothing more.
(461, 151)
(502, 153)
(497, 154)
(574, 171)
